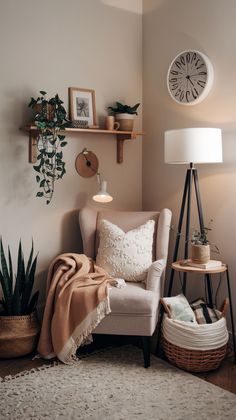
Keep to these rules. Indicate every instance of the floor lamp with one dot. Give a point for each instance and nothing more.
(190, 146)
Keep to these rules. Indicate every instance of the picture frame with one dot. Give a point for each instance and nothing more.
(82, 106)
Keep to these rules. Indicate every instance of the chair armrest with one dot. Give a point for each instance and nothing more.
(153, 280)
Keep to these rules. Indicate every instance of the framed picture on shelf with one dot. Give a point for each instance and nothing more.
(82, 106)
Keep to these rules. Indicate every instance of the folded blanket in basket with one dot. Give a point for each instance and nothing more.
(203, 313)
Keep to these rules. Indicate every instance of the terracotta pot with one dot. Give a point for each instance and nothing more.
(126, 122)
(200, 254)
(18, 335)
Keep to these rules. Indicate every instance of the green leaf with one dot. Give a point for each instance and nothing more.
(39, 194)
(5, 272)
(30, 259)
(43, 92)
(16, 304)
(32, 103)
(37, 178)
(29, 285)
(61, 137)
(6, 293)
(50, 154)
(37, 168)
(20, 282)
(10, 270)
(33, 303)
(20, 276)
(42, 183)
(64, 143)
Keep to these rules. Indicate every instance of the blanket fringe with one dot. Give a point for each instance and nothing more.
(81, 333)
(29, 372)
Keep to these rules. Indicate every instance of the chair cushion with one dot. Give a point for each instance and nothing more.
(125, 255)
(133, 299)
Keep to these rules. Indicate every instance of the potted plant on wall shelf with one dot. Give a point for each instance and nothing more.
(19, 326)
(124, 114)
(50, 119)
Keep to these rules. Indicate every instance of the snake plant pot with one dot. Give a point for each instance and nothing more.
(18, 335)
(200, 254)
(126, 121)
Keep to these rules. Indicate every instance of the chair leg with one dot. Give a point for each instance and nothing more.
(146, 351)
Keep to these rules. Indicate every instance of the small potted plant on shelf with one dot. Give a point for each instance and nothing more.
(19, 326)
(50, 119)
(124, 114)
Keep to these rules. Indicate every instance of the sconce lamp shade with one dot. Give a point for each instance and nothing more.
(103, 196)
(193, 145)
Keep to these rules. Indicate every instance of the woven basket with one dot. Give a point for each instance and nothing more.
(204, 346)
(18, 335)
(193, 360)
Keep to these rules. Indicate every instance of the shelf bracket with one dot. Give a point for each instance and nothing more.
(33, 145)
(120, 139)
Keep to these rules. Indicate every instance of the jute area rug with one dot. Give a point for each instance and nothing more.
(114, 385)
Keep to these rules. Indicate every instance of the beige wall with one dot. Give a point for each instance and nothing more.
(51, 45)
(169, 27)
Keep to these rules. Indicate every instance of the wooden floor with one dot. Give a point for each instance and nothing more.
(224, 377)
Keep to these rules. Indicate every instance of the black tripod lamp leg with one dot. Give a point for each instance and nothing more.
(181, 216)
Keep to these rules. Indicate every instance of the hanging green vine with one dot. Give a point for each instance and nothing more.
(50, 120)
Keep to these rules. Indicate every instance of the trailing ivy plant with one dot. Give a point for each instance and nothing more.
(17, 298)
(50, 119)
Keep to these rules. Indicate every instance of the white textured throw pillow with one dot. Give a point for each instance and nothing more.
(125, 255)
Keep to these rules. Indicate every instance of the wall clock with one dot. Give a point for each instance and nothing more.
(190, 77)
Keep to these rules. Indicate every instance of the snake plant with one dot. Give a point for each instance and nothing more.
(17, 299)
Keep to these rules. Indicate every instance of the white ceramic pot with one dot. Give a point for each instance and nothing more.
(126, 121)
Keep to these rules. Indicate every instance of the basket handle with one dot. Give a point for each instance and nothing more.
(224, 307)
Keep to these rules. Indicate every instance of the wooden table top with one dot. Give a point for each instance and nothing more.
(181, 266)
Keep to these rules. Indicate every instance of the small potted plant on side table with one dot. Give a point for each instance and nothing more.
(124, 114)
(200, 246)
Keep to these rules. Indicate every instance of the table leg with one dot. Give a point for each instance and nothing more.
(231, 314)
(209, 290)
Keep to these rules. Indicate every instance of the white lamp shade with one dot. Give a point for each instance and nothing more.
(193, 145)
(103, 196)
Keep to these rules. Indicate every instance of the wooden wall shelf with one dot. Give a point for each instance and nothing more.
(121, 136)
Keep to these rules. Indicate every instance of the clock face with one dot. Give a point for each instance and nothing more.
(190, 77)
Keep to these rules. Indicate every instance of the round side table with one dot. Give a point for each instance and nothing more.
(182, 267)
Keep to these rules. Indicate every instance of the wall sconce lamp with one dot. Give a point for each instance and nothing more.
(102, 195)
(86, 165)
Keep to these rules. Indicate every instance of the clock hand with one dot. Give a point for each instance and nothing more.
(188, 77)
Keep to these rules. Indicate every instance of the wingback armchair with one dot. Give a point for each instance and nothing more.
(135, 307)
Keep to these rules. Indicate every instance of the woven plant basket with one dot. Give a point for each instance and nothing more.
(193, 360)
(195, 347)
(18, 335)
